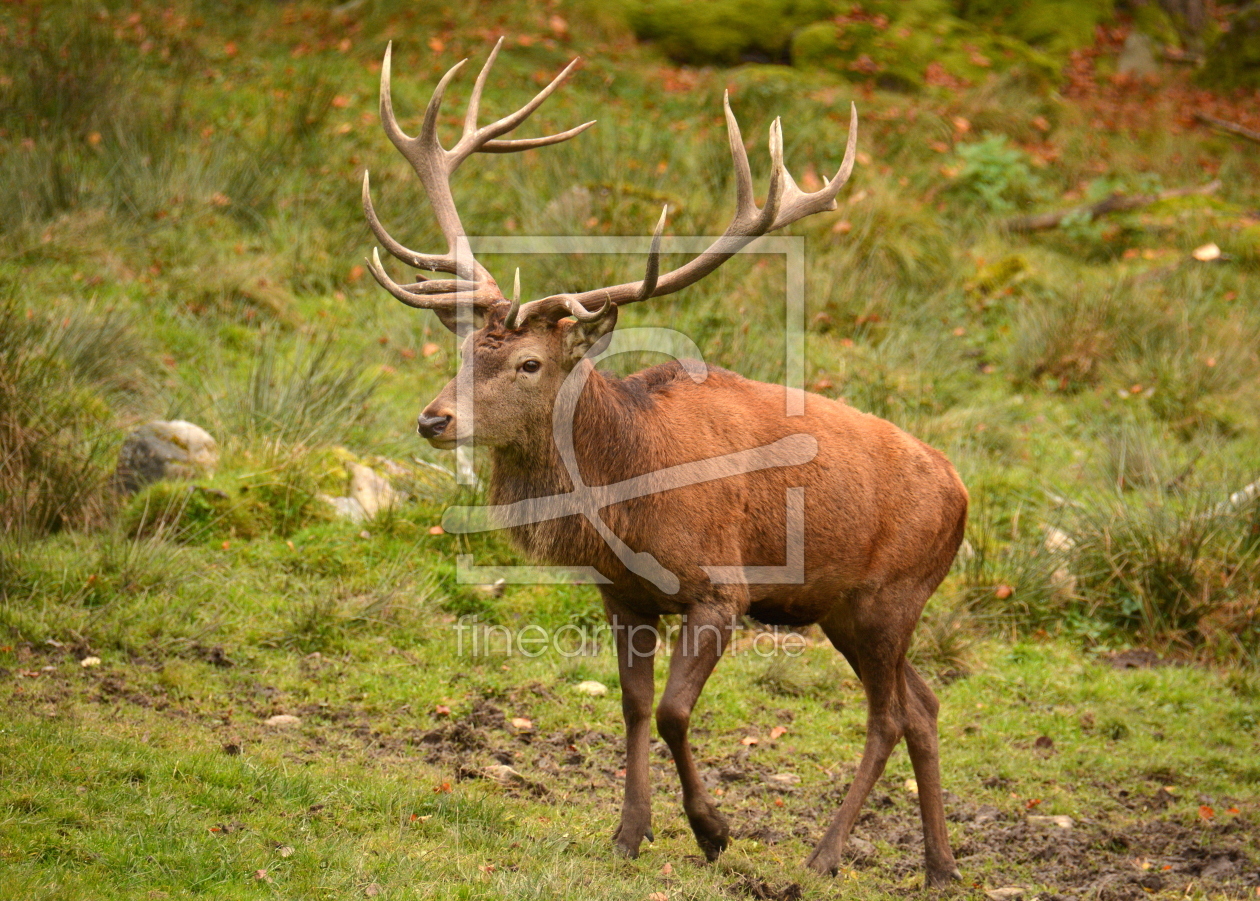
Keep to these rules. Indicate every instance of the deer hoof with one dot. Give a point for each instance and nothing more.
(626, 840)
(823, 861)
(712, 833)
(943, 877)
(821, 867)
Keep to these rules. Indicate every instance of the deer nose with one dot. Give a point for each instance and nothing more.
(432, 426)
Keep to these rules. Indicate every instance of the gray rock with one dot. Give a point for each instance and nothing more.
(165, 450)
(371, 489)
(1138, 56)
(346, 507)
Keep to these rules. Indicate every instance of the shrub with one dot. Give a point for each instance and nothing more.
(995, 173)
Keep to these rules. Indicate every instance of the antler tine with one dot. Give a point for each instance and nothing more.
(491, 146)
(654, 260)
(744, 202)
(511, 320)
(425, 261)
(560, 305)
(441, 295)
(520, 144)
(785, 203)
(434, 166)
(473, 141)
(428, 129)
(474, 102)
(797, 204)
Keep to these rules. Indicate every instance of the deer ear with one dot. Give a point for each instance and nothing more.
(588, 338)
(459, 324)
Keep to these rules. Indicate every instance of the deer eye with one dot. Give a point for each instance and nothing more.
(531, 366)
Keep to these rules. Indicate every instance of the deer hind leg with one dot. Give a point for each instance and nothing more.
(885, 724)
(703, 636)
(636, 651)
(899, 703)
(923, 745)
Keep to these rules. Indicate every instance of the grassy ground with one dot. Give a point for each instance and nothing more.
(182, 238)
(134, 777)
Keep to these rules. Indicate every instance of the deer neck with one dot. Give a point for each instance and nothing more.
(605, 433)
(605, 430)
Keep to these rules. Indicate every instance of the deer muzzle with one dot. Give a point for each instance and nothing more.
(433, 429)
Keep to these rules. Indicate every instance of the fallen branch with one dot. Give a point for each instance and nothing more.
(1225, 125)
(1116, 203)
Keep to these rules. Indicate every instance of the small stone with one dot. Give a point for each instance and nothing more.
(285, 851)
(1058, 541)
(284, 720)
(491, 590)
(346, 507)
(592, 688)
(371, 489)
(1060, 821)
(503, 774)
(1009, 893)
(1207, 253)
(784, 779)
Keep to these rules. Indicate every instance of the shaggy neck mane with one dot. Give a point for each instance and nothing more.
(606, 436)
(608, 441)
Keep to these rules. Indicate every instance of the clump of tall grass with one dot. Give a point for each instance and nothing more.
(60, 376)
(1068, 339)
(1180, 571)
(315, 395)
(104, 590)
(1185, 572)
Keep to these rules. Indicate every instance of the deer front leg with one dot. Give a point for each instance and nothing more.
(704, 634)
(636, 652)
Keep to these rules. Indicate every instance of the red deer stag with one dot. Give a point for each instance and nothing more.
(882, 513)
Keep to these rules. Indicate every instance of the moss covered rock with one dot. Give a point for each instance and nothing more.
(1056, 27)
(724, 32)
(900, 44)
(905, 45)
(1233, 61)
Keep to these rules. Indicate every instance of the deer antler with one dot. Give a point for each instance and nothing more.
(434, 165)
(785, 203)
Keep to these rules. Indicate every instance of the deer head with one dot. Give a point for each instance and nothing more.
(516, 356)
